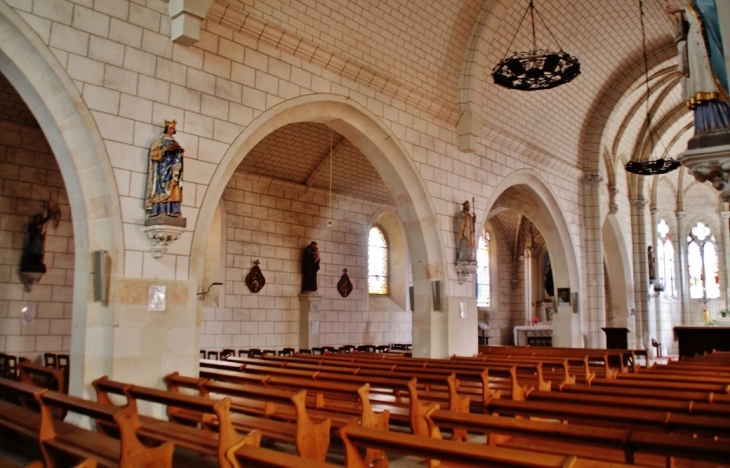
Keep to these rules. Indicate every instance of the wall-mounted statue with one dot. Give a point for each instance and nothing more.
(310, 267)
(702, 64)
(35, 242)
(165, 175)
(466, 252)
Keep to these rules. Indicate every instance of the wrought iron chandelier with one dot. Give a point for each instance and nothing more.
(649, 166)
(537, 68)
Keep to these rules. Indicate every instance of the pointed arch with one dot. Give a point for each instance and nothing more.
(70, 129)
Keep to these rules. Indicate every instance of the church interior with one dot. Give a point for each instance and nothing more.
(451, 213)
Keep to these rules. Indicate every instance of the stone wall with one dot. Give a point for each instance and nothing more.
(272, 221)
(29, 175)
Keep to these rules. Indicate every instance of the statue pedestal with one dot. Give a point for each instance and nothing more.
(464, 270)
(711, 163)
(163, 230)
(309, 319)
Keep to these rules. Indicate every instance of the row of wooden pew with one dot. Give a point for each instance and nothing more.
(376, 404)
(648, 402)
(121, 431)
(225, 353)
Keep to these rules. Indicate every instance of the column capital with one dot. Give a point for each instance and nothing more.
(681, 214)
(725, 214)
(638, 202)
(593, 180)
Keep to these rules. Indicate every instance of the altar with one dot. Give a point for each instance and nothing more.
(532, 333)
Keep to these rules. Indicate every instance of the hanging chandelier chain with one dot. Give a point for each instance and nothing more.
(646, 76)
(640, 165)
(515, 35)
(532, 18)
(544, 23)
(330, 194)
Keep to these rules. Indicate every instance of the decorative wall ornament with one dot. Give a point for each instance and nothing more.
(255, 280)
(344, 285)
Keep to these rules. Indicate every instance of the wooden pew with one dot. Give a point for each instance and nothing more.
(260, 457)
(340, 391)
(196, 439)
(629, 418)
(609, 444)
(311, 440)
(289, 406)
(60, 439)
(463, 454)
(682, 406)
(42, 376)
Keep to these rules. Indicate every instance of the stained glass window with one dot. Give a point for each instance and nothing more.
(377, 262)
(483, 293)
(665, 260)
(704, 279)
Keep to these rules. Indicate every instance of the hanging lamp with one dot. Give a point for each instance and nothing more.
(651, 166)
(535, 69)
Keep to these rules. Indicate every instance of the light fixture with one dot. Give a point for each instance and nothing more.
(535, 69)
(202, 295)
(650, 166)
(330, 224)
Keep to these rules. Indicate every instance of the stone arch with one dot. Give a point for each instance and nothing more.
(525, 192)
(74, 138)
(537, 203)
(620, 271)
(391, 161)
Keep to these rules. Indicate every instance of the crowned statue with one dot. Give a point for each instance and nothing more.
(165, 176)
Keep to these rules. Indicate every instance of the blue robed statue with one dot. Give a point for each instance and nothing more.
(702, 64)
(165, 175)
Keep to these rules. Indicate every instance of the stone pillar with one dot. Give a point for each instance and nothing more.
(682, 232)
(309, 320)
(725, 254)
(529, 281)
(641, 275)
(595, 313)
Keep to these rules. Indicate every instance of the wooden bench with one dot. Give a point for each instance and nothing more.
(609, 444)
(463, 454)
(628, 418)
(311, 440)
(253, 455)
(42, 376)
(196, 439)
(63, 444)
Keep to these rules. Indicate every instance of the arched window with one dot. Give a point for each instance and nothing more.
(665, 259)
(483, 293)
(377, 262)
(704, 279)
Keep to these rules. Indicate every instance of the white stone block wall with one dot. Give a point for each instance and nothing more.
(272, 221)
(29, 174)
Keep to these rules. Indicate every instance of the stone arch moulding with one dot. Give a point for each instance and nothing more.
(69, 127)
(388, 156)
(547, 216)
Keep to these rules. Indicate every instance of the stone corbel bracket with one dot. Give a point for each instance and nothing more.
(186, 16)
(161, 236)
(464, 271)
(29, 278)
